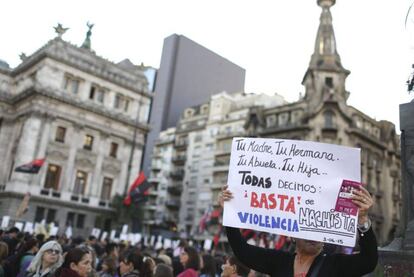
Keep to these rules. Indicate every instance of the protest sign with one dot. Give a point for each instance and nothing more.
(124, 229)
(104, 235)
(19, 225)
(5, 222)
(208, 243)
(54, 230)
(167, 243)
(28, 227)
(68, 232)
(290, 188)
(137, 238)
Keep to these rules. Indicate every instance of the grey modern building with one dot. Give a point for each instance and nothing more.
(188, 75)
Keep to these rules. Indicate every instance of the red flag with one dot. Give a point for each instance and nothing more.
(280, 242)
(138, 181)
(216, 238)
(203, 220)
(32, 168)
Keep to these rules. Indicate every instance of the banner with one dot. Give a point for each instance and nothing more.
(291, 188)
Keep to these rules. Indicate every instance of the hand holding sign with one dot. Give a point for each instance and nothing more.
(364, 201)
(225, 195)
(292, 188)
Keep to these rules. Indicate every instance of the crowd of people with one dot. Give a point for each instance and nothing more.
(24, 254)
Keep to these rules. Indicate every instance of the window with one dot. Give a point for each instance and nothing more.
(60, 134)
(117, 101)
(121, 103)
(51, 214)
(88, 142)
(100, 96)
(329, 119)
(97, 93)
(71, 84)
(52, 177)
(329, 82)
(114, 149)
(81, 221)
(92, 93)
(106, 188)
(70, 219)
(40, 214)
(80, 182)
(126, 105)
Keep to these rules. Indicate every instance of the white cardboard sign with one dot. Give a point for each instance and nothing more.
(290, 188)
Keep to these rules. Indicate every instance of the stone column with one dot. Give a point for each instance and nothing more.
(43, 143)
(26, 149)
(407, 174)
(102, 151)
(124, 157)
(76, 135)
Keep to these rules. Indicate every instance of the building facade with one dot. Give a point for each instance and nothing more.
(322, 115)
(185, 168)
(87, 117)
(188, 75)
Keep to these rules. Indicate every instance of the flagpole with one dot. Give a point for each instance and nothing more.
(131, 154)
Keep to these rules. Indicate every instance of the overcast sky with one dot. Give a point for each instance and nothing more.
(273, 40)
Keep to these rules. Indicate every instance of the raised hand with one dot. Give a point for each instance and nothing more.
(225, 195)
(362, 198)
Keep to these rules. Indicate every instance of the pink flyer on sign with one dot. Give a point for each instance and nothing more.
(344, 202)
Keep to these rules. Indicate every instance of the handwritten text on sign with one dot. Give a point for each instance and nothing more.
(290, 188)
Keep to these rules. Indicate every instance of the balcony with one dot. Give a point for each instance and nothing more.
(220, 166)
(173, 204)
(175, 189)
(50, 192)
(177, 174)
(222, 152)
(164, 141)
(179, 159)
(181, 144)
(155, 167)
(154, 179)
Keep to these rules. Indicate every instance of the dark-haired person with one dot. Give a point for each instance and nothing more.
(309, 258)
(77, 263)
(208, 266)
(26, 255)
(130, 265)
(47, 260)
(108, 268)
(111, 251)
(12, 240)
(190, 260)
(234, 268)
(163, 270)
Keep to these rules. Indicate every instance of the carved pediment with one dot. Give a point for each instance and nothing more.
(85, 163)
(56, 154)
(86, 159)
(111, 166)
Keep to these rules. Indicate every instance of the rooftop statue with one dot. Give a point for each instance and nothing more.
(60, 30)
(87, 43)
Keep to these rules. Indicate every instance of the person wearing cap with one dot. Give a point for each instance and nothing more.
(47, 260)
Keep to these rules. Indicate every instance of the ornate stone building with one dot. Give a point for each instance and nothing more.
(88, 117)
(324, 115)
